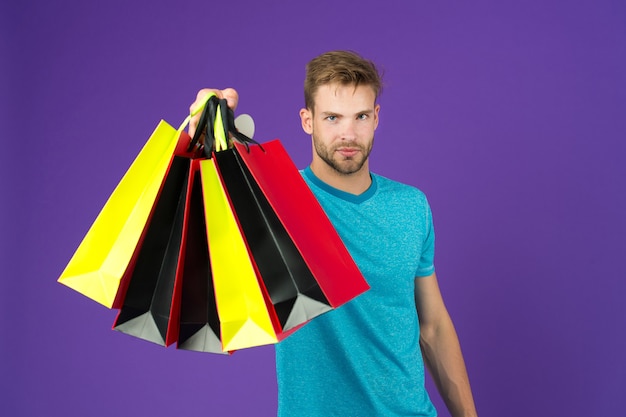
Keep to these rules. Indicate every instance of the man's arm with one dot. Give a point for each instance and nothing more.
(442, 351)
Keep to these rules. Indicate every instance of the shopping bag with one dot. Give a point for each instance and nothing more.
(304, 219)
(243, 312)
(98, 265)
(291, 287)
(148, 302)
(203, 243)
(199, 328)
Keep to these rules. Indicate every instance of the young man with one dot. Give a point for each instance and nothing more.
(365, 358)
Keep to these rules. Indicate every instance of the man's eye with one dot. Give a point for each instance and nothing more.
(362, 116)
(331, 118)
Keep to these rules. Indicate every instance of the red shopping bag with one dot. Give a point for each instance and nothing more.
(304, 219)
(288, 283)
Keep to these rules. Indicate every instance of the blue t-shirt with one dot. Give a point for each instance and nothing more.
(363, 358)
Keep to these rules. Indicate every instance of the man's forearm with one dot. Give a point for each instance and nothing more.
(443, 357)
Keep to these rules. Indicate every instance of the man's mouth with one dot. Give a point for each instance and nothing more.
(348, 152)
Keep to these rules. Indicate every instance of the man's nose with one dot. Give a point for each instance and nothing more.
(348, 131)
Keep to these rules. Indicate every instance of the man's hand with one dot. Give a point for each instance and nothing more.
(230, 94)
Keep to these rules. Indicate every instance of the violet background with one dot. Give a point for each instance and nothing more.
(511, 116)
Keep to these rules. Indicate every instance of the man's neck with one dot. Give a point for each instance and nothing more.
(356, 183)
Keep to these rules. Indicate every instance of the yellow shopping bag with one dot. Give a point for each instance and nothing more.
(100, 261)
(103, 257)
(243, 313)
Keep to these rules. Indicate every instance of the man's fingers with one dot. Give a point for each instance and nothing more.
(230, 94)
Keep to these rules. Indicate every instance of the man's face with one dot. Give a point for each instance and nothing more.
(342, 125)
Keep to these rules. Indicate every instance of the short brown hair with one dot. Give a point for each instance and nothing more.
(343, 67)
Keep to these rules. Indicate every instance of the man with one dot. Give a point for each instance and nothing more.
(365, 358)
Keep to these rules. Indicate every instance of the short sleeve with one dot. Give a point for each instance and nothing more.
(426, 264)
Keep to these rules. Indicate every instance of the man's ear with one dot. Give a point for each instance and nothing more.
(376, 110)
(306, 117)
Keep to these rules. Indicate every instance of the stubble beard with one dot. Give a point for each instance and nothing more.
(340, 164)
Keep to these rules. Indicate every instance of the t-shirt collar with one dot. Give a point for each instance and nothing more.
(353, 198)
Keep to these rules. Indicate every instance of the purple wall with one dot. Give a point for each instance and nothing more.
(512, 118)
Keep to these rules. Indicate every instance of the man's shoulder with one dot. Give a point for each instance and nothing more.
(388, 185)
